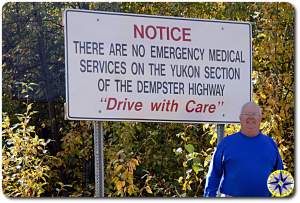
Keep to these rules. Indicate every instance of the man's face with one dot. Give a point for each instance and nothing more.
(250, 120)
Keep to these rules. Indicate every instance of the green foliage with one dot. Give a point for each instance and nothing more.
(141, 159)
(76, 148)
(194, 164)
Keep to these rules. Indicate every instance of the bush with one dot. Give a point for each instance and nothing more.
(24, 157)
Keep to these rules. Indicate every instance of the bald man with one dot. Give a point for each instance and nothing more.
(243, 161)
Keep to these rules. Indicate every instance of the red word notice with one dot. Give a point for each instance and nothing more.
(162, 32)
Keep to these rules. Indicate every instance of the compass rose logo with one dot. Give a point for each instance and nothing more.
(280, 183)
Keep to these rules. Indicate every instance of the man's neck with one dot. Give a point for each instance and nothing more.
(250, 134)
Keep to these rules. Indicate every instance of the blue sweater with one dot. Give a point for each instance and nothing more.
(243, 164)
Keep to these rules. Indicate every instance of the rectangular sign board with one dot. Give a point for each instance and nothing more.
(128, 67)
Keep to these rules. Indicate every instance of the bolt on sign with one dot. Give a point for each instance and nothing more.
(128, 67)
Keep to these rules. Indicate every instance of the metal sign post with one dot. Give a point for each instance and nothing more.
(220, 132)
(99, 159)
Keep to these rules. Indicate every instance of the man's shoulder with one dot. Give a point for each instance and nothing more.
(269, 139)
(230, 138)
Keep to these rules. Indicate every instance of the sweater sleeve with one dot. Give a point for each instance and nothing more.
(279, 163)
(215, 173)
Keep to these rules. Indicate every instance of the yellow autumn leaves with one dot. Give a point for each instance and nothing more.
(123, 176)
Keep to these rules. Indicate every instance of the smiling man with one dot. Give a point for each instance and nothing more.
(243, 161)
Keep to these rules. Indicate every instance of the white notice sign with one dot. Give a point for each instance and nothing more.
(123, 66)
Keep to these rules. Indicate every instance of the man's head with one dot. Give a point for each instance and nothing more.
(250, 119)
